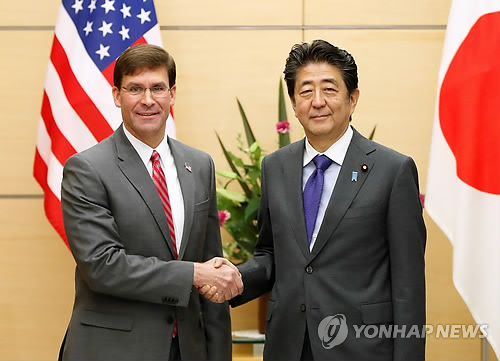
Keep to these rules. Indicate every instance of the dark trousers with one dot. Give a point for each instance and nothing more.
(175, 351)
(307, 354)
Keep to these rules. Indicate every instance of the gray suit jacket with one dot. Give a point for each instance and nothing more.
(367, 262)
(129, 287)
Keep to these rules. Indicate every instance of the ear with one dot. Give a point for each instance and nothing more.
(116, 96)
(173, 93)
(354, 99)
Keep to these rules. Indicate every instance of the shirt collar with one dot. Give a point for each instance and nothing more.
(336, 152)
(144, 150)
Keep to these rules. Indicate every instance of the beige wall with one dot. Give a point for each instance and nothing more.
(398, 62)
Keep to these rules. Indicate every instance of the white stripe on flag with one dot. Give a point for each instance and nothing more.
(68, 122)
(54, 176)
(43, 141)
(153, 36)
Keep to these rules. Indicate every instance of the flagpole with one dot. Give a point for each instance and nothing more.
(485, 349)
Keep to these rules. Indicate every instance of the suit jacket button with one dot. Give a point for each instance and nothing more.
(302, 308)
(309, 269)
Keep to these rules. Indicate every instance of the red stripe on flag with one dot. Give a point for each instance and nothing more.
(77, 97)
(40, 170)
(61, 148)
(51, 203)
(109, 71)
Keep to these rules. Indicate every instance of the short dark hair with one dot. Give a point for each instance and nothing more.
(143, 56)
(320, 51)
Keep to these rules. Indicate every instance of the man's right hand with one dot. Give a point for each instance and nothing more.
(218, 279)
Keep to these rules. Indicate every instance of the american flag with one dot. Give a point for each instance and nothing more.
(77, 106)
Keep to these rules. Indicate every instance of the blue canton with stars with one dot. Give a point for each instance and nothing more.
(108, 27)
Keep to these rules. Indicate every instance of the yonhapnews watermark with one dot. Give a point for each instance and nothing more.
(333, 331)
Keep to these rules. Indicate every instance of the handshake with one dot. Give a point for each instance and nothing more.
(217, 279)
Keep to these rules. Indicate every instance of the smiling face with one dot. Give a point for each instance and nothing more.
(322, 103)
(145, 115)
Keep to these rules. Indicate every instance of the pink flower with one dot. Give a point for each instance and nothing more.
(422, 199)
(223, 217)
(283, 127)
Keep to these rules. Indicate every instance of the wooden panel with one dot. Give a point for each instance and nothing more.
(398, 82)
(229, 12)
(36, 283)
(28, 12)
(383, 12)
(26, 65)
(170, 12)
(216, 67)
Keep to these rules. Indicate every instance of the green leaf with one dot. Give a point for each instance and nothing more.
(372, 134)
(243, 185)
(227, 174)
(246, 125)
(284, 139)
(254, 174)
(237, 197)
(252, 207)
(238, 162)
(253, 147)
(282, 116)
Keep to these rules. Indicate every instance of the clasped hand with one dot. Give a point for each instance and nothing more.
(218, 279)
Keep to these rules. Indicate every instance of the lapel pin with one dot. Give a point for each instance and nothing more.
(364, 167)
(354, 177)
(188, 167)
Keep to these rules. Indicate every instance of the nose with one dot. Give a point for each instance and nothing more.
(318, 99)
(147, 98)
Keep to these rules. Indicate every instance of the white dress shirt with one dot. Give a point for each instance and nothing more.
(173, 184)
(336, 153)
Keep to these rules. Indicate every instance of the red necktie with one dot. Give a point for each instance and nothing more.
(161, 186)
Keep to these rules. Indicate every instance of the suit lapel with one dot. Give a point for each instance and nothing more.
(187, 183)
(133, 168)
(345, 189)
(292, 174)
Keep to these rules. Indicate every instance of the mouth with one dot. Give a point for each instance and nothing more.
(320, 117)
(147, 114)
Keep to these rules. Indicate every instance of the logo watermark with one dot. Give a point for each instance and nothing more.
(333, 330)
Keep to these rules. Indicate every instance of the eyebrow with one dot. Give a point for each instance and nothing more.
(133, 83)
(327, 80)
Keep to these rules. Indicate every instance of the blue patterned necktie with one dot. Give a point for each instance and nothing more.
(313, 191)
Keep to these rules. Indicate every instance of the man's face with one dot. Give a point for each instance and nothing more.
(145, 115)
(322, 104)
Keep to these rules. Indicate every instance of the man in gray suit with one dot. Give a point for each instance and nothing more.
(342, 237)
(141, 220)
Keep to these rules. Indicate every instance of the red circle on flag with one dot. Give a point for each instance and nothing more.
(469, 106)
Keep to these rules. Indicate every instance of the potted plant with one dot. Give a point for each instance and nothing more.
(238, 210)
